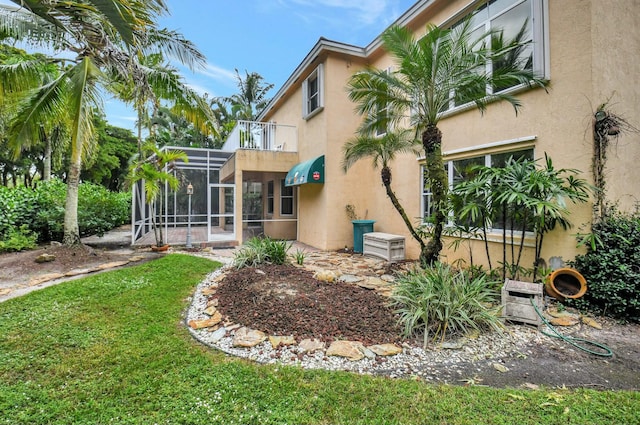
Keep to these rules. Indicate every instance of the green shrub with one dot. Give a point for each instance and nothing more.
(611, 268)
(443, 300)
(18, 239)
(259, 251)
(42, 209)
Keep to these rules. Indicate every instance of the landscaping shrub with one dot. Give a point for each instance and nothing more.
(18, 239)
(42, 209)
(444, 300)
(259, 251)
(611, 267)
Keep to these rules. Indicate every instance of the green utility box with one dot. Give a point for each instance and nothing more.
(360, 227)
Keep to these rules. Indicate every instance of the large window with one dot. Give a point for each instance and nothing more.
(460, 170)
(510, 20)
(312, 93)
(286, 199)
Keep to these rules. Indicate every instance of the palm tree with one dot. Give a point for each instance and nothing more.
(443, 68)
(106, 38)
(252, 97)
(383, 150)
(155, 168)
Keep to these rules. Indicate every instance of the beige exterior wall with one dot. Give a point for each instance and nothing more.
(592, 57)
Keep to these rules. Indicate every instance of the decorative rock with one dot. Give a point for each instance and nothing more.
(212, 302)
(208, 291)
(564, 321)
(554, 312)
(218, 334)
(591, 322)
(136, 258)
(385, 349)
(372, 283)
(260, 271)
(452, 345)
(352, 350)
(211, 310)
(325, 276)
(246, 337)
(277, 340)
(311, 345)
(45, 258)
(5, 291)
(500, 367)
(206, 323)
(56, 243)
(349, 278)
(45, 278)
(388, 278)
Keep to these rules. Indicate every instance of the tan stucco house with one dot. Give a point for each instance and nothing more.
(291, 161)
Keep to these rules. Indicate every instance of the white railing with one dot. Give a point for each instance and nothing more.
(262, 136)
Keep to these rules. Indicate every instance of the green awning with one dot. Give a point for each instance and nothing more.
(311, 171)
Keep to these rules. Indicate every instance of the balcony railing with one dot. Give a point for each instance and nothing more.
(262, 136)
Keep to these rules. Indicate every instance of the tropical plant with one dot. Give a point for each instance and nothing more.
(257, 251)
(520, 197)
(444, 67)
(382, 150)
(107, 39)
(444, 300)
(155, 168)
(611, 267)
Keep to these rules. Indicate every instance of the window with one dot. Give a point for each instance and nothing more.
(312, 93)
(286, 199)
(460, 170)
(270, 197)
(510, 20)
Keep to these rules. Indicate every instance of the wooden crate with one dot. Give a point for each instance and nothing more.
(516, 301)
(383, 245)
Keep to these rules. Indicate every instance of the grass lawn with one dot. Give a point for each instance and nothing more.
(112, 349)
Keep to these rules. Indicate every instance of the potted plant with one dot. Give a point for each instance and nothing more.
(155, 168)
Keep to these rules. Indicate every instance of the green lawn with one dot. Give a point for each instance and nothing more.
(112, 349)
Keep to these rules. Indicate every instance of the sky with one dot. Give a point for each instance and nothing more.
(270, 37)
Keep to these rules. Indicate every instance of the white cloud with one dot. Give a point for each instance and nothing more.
(217, 73)
(365, 12)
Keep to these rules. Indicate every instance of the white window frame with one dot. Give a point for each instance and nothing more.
(270, 197)
(318, 76)
(540, 42)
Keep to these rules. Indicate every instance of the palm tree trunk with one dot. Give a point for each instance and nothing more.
(438, 181)
(71, 229)
(385, 174)
(46, 174)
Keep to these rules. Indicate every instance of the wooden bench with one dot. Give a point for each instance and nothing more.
(383, 245)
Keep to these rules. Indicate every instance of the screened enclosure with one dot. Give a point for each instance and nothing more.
(206, 215)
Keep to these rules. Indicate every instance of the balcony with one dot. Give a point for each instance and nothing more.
(262, 136)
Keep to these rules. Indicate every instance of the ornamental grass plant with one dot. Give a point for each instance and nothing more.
(444, 301)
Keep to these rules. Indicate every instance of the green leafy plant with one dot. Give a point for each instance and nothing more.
(18, 239)
(257, 251)
(300, 256)
(611, 270)
(445, 301)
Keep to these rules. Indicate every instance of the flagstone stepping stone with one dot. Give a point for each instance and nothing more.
(351, 350)
(245, 337)
(45, 278)
(113, 264)
(385, 349)
(311, 345)
(564, 321)
(350, 278)
(591, 322)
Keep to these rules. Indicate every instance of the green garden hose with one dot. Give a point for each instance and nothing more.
(576, 342)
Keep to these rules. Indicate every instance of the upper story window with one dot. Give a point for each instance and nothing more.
(509, 20)
(312, 93)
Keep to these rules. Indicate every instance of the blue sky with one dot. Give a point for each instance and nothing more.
(270, 37)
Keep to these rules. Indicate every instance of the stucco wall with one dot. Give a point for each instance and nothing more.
(592, 57)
